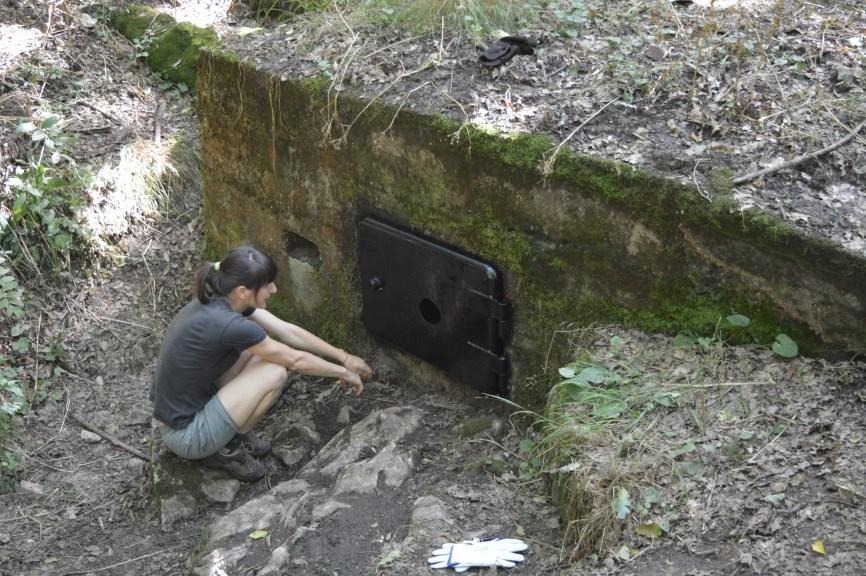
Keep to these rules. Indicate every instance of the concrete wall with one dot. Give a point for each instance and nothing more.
(593, 242)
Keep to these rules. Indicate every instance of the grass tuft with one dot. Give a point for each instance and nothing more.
(603, 447)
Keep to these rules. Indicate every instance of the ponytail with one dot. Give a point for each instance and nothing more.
(205, 278)
(242, 266)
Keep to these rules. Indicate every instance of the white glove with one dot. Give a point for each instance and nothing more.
(475, 553)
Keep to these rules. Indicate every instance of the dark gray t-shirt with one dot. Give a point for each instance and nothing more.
(201, 343)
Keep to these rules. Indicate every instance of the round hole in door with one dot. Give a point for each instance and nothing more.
(429, 311)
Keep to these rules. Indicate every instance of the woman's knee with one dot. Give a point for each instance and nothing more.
(275, 374)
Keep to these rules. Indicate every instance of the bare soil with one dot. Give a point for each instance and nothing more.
(81, 506)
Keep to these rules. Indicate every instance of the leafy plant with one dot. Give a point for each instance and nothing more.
(10, 463)
(571, 16)
(39, 229)
(785, 346)
(530, 466)
(621, 503)
(11, 295)
(141, 45)
(47, 136)
(12, 404)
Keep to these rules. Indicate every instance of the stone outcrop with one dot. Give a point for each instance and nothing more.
(357, 474)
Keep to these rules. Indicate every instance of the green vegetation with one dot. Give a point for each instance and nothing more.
(39, 228)
(477, 19)
(170, 48)
(42, 231)
(286, 9)
(40, 237)
(612, 432)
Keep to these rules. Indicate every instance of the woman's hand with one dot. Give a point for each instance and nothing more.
(351, 383)
(358, 366)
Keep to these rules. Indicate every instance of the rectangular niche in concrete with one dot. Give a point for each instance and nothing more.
(436, 302)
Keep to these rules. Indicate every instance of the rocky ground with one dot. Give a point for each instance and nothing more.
(363, 485)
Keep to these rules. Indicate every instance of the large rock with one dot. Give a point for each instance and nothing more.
(181, 487)
(377, 429)
(390, 466)
(349, 487)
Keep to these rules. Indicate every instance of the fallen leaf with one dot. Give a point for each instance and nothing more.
(258, 534)
(775, 498)
(622, 503)
(389, 558)
(651, 530)
(689, 446)
(818, 546)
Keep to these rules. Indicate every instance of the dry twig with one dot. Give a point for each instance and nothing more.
(157, 122)
(852, 133)
(116, 441)
(548, 164)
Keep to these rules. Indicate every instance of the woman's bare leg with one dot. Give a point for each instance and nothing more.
(235, 369)
(260, 411)
(248, 395)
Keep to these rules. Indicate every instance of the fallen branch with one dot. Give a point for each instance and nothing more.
(799, 159)
(117, 442)
(107, 115)
(125, 562)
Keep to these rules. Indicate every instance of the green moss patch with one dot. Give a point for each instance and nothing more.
(175, 52)
(172, 48)
(135, 22)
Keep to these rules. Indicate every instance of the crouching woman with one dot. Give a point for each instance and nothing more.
(220, 370)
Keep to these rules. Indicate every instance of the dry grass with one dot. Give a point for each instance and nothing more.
(607, 435)
(479, 20)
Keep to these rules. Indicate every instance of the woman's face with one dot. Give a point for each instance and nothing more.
(262, 294)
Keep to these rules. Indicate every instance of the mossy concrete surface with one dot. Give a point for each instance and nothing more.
(172, 47)
(593, 242)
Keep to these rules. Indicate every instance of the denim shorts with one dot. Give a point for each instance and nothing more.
(211, 429)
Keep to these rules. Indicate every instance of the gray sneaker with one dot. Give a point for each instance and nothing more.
(253, 444)
(237, 463)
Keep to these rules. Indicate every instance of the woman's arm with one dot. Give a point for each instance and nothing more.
(296, 337)
(305, 363)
